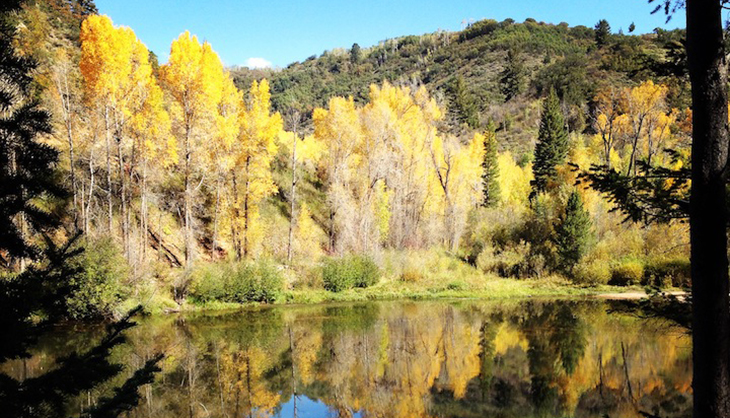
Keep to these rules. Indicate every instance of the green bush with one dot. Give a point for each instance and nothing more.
(665, 272)
(97, 288)
(627, 273)
(591, 273)
(517, 261)
(237, 282)
(344, 273)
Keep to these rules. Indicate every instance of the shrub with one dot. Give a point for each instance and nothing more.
(344, 273)
(591, 273)
(627, 273)
(514, 261)
(665, 272)
(237, 282)
(456, 285)
(98, 285)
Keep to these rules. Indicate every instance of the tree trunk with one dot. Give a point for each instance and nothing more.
(108, 170)
(708, 214)
(292, 198)
(188, 199)
(246, 208)
(234, 217)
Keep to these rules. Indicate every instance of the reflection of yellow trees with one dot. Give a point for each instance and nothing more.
(246, 389)
(415, 360)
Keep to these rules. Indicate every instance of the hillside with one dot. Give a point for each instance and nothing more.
(569, 59)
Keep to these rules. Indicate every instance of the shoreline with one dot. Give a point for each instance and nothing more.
(508, 290)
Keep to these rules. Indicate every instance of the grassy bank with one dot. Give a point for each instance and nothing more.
(391, 275)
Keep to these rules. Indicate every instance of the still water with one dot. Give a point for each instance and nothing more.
(407, 359)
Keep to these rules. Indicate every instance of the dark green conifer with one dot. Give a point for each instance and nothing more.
(573, 232)
(552, 144)
(512, 78)
(462, 103)
(603, 32)
(490, 169)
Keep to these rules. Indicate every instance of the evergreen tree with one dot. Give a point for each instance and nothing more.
(552, 144)
(490, 169)
(355, 53)
(603, 32)
(39, 291)
(512, 78)
(462, 103)
(26, 165)
(573, 233)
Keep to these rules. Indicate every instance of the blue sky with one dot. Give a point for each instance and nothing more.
(280, 32)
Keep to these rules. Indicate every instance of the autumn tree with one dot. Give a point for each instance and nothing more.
(255, 148)
(552, 144)
(193, 76)
(647, 120)
(610, 120)
(120, 86)
(338, 127)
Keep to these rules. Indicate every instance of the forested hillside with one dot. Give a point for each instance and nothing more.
(430, 163)
(490, 72)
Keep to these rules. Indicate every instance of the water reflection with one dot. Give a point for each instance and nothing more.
(424, 359)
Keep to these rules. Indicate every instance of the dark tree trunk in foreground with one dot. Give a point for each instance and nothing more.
(708, 215)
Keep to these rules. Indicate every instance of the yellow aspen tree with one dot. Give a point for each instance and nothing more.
(413, 120)
(302, 150)
(307, 240)
(644, 103)
(118, 78)
(610, 121)
(338, 128)
(457, 175)
(221, 147)
(194, 78)
(152, 130)
(254, 150)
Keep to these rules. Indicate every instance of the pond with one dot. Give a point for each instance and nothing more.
(582, 358)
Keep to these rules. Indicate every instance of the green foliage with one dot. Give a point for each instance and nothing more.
(603, 32)
(569, 78)
(237, 283)
(355, 54)
(591, 272)
(98, 286)
(627, 273)
(573, 233)
(26, 163)
(350, 271)
(490, 169)
(518, 261)
(552, 144)
(664, 272)
(512, 78)
(462, 103)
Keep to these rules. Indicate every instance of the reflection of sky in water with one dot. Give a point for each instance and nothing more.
(308, 408)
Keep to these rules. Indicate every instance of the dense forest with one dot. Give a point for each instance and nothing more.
(446, 159)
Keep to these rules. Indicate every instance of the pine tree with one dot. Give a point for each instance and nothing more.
(26, 164)
(603, 31)
(355, 53)
(552, 144)
(512, 78)
(490, 169)
(39, 291)
(573, 233)
(462, 103)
